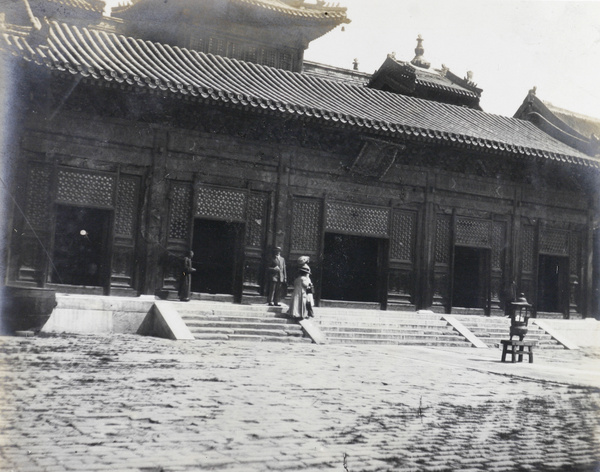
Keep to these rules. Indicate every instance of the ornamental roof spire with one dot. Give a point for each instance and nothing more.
(419, 60)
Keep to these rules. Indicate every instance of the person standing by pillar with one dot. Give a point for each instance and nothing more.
(185, 283)
(277, 277)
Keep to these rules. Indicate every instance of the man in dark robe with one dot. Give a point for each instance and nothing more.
(276, 277)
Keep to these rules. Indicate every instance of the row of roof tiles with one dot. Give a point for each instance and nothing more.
(312, 11)
(115, 58)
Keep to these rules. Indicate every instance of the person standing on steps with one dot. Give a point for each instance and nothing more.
(302, 297)
(185, 282)
(276, 277)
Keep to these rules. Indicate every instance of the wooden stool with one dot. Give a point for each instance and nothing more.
(517, 349)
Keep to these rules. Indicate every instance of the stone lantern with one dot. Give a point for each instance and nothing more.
(519, 317)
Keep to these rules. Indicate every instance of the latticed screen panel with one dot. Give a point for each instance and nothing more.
(86, 188)
(181, 202)
(257, 214)
(127, 201)
(222, 204)
(306, 217)
(474, 233)
(38, 196)
(527, 243)
(359, 220)
(498, 235)
(574, 251)
(403, 235)
(442, 239)
(554, 242)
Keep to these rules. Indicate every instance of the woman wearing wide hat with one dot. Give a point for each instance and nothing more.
(302, 297)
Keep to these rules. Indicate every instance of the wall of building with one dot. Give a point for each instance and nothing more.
(156, 166)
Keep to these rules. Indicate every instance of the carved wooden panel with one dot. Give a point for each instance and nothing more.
(473, 233)
(221, 204)
(181, 204)
(252, 278)
(440, 289)
(553, 241)
(496, 290)
(374, 159)
(31, 257)
(38, 196)
(257, 219)
(442, 239)
(527, 247)
(400, 286)
(86, 188)
(498, 243)
(574, 253)
(172, 262)
(122, 266)
(402, 237)
(127, 202)
(306, 224)
(359, 220)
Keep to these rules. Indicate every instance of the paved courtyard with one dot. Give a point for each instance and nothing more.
(130, 403)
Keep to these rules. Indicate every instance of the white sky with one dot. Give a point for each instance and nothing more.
(510, 45)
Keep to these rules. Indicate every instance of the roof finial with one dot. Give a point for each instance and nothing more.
(419, 60)
(355, 64)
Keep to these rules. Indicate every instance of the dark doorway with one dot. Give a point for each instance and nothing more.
(350, 269)
(81, 246)
(553, 281)
(470, 282)
(217, 253)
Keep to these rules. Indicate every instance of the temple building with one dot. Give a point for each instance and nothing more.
(580, 132)
(170, 126)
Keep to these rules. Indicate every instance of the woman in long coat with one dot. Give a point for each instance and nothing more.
(302, 297)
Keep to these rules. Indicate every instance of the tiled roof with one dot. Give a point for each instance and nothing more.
(93, 5)
(585, 125)
(313, 11)
(213, 79)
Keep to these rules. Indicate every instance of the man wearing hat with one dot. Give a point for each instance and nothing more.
(276, 277)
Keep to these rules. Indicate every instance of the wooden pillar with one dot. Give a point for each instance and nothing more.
(155, 214)
(588, 260)
(426, 247)
(280, 219)
(514, 247)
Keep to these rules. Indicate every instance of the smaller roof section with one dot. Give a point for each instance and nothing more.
(417, 79)
(574, 129)
(24, 12)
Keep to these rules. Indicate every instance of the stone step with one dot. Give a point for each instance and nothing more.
(387, 330)
(247, 331)
(202, 324)
(404, 324)
(331, 313)
(407, 342)
(397, 336)
(239, 318)
(253, 338)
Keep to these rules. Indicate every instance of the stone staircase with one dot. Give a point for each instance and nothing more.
(492, 329)
(219, 320)
(224, 321)
(359, 326)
